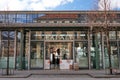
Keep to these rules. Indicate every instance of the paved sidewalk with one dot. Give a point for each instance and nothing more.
(28, 73)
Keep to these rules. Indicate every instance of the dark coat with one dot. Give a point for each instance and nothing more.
(53, 60)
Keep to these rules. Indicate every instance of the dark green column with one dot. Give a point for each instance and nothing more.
(96, 59)
(22, 54)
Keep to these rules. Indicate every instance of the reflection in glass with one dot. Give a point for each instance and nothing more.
(37, 35)
(81, 54)
(59, 35)
(4, 48)
(81, 35)
(37, 50)
(112, 35)
(114, 54)
(66, 51)
(52, 35)
(118, 35)
(21, 18)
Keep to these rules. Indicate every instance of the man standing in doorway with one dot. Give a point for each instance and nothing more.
(52, 58)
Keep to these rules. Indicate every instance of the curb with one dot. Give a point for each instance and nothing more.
(104, 76)
(92, 75)
(15, 76)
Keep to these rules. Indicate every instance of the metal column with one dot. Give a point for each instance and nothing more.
(0, 43)
(21, 66)
(89, 51)
(15, 49)
(103, 53)
(29, 50)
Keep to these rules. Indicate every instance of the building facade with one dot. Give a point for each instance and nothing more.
(27, 37)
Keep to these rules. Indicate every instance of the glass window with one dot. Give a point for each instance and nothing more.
(80, 35)
(2, 19)
(71, 21)
(82, 18)
(21, 18)
(118, 35)
(6, 33)
(32, 18)
(37, 53)
(9, 18)
(24, 56)
(66, 49)
(114, 54)
(96, 51)
(63, 21)
(7, 47)
(47, 21)
(112, 35)
(37, 35)
(59, 35)
(52, 35)
(55, 21)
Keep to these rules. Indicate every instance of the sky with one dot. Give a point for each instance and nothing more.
(53, 4)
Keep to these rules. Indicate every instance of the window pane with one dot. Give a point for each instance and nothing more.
(81, 35)
(112, 35)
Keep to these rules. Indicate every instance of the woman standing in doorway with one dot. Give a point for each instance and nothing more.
(58, 58)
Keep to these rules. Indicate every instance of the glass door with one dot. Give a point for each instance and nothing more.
(64, 52)
(81, 54)
(114, 54)
(37, 52)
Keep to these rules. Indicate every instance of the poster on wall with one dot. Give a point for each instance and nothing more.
(65, 64)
